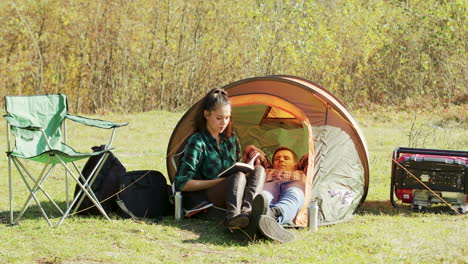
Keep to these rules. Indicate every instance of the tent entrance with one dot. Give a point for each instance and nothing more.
(268, 122)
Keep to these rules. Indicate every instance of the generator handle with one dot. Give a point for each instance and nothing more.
(392, 178)
(457, 153)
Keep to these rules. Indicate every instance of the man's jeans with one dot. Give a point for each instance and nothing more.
(287, 195)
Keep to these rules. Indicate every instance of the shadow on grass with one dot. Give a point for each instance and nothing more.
(208, 226)
(377, 208)
(33, 211)
(386, 208)
(210, 229)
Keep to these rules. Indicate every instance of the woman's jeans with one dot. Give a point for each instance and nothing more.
(287, 195)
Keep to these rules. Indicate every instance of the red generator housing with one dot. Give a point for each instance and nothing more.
(443, 171)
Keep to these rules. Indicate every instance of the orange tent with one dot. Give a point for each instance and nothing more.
(290, 111)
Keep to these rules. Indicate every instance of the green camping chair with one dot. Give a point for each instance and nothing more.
(36, 122)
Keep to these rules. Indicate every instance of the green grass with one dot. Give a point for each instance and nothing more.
(378, 233)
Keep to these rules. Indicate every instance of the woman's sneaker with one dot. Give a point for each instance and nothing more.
(271, 229)
(201, 207)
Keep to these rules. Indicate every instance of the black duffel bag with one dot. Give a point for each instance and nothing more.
(143, 194)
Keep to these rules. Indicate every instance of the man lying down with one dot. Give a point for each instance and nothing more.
(282, 196)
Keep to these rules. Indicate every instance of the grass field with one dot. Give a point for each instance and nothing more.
(378, 233)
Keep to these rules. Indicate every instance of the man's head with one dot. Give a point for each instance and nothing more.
(284, 159)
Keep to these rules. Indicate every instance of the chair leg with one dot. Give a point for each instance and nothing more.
(87, 190)
(32, 194)
(64, 130)
(90, 180)
(96, 203)
(10, 183)
(87, 182)
(67, 195)
(85, 187)
(38, 184)
(10, 190)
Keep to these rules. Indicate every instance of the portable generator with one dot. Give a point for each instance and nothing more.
(418, 170)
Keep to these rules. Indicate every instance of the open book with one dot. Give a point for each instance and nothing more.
(239, 166)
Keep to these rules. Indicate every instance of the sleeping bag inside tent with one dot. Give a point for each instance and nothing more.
(274, 111)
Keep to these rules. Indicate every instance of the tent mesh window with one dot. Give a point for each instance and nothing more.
(275, 116)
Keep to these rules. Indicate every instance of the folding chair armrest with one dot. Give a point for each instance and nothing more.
(24, 124)
(95, 122)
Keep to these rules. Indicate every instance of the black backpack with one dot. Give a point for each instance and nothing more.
(133, 194)
(105, 184)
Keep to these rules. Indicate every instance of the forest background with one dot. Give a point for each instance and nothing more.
(140, 55)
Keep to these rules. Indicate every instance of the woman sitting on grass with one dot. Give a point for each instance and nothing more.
(209, 151)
